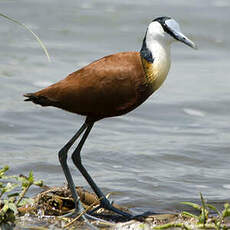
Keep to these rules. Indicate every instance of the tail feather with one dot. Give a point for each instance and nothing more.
(41, 100)
(30, 96)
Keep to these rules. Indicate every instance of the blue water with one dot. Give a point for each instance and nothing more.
(168, 150)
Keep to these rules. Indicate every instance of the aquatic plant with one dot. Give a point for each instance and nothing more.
(57, 201)
(12, 195)
(209, 217)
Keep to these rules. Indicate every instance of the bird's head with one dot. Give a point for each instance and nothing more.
(166, 30)
(161, 32)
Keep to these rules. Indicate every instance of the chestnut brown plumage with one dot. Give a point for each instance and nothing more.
(111, 86)
(102, 89)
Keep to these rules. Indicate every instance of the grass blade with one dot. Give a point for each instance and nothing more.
(204, 210)
(188, 214)
(213, 208)
(27, 28)
(196, 206)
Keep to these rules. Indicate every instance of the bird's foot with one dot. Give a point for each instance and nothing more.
(106, 204)
(82, 215)
(73, 214)
(143, 216)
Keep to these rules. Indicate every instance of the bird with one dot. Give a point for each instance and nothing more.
(111, 86)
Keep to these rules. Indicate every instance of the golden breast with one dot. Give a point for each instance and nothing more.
(156, 72)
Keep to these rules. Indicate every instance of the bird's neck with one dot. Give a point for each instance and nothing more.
(156, 61)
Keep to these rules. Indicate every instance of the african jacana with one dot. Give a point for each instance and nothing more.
(111, 86)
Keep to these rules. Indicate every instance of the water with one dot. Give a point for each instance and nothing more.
(169, 149)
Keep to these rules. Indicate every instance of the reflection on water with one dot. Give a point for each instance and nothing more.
(167, 150)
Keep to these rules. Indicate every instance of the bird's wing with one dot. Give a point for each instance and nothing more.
(106, 87)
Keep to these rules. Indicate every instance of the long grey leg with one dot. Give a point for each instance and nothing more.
(76, 157)
(62, 154)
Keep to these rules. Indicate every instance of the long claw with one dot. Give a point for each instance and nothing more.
(105, 203)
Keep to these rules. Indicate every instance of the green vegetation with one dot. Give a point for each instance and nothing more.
(217, 220)
(12, 195)
(205, 220)
(57, 201)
